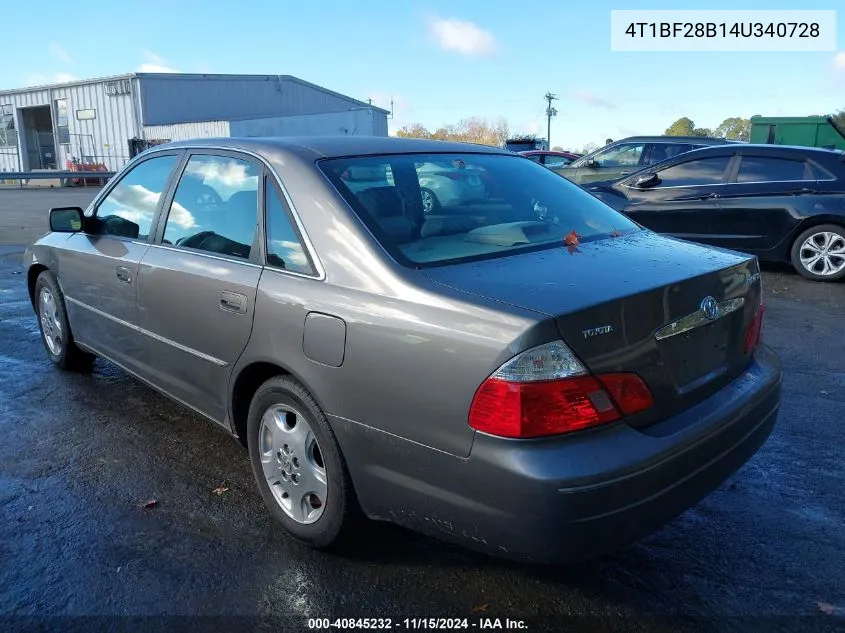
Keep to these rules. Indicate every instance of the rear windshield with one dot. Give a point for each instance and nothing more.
(437, 209)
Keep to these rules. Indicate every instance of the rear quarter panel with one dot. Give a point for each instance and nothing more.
(412, 361)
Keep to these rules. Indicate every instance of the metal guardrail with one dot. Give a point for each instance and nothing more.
(19, 177)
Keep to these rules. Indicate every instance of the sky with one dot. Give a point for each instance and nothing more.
(439, 61)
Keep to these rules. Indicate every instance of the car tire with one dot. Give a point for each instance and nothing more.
(289, 437)
(430, 202)
(56, 335)
(824, 240)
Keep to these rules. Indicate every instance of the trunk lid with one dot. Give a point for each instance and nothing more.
(634, 303)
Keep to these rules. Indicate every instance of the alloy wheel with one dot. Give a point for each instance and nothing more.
(823, 253)
(51, 326)
(293, 463)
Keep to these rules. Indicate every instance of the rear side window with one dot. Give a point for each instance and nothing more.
(705, 171)
(215, 206)
(284, 248)
(128, 210)
(761, 169)
(446, 208)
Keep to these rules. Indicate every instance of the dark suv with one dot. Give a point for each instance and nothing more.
(626, 156)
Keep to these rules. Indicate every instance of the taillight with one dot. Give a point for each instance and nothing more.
(754, 334)
(548, 391)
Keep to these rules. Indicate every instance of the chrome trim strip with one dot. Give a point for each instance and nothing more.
(189, 251)
(697, 319)
(321, 273)
(153, 335)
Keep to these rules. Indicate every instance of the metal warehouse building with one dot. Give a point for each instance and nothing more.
(107, 121)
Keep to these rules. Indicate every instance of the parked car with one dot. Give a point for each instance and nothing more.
(543, 389)
(448, 183)
(551, 159)
(782, 204)
(630, 154)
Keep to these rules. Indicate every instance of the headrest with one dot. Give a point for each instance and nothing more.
(382, 202)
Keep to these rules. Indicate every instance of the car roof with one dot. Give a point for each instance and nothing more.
(335, 146)
(701, 140)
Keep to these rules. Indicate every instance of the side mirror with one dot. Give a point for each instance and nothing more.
(646, 180)
(66, 219)
(592, 163)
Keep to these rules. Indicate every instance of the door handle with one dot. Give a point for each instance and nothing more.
(233, 302)
(124, 274)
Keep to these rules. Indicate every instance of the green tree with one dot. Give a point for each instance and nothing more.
(839, 119)
(682, 127)
(734, 128)
(471, 130)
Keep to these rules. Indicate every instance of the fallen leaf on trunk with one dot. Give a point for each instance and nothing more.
(220, 490)
(827, 608)
(150, 503)
(480, 608)
(571, 239)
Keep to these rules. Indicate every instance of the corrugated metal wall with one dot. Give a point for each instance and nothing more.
(168, 99)
(350, 122)
(103, 139)
(186, 131)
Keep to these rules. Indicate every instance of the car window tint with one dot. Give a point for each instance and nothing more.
(624, 155)
(449, 208)
(694, 172)
(215, 206)
(284, 248)
(537, 158)
(128, 210)
(816, 172)
(763, 169)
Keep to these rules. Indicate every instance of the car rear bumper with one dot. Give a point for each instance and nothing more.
(570, 498)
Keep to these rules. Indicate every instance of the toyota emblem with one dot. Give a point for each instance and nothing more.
(709, 308)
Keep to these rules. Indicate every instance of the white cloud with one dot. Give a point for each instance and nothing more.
(466, 38)
(839, 61)
(40, 79)
(60, 53)
(593, 99)
(154, 63)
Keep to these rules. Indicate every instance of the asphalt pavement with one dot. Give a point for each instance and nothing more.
(118, 504)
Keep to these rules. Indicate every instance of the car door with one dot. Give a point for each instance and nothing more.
(684, 199)
(98, 270)
(197, 283)
(764, 203)
(608, 163)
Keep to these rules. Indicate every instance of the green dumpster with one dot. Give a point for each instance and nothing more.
(806, 131)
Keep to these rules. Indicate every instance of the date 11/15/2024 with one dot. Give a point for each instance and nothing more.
(483, 623)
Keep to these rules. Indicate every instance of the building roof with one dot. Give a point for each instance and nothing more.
(336, 146)
(194, 76)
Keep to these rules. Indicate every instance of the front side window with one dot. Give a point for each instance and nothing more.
(8, 136)
(284, 248)
(215, 206)
(62, 130)
(624, 155)
(128, 210)
(705, 171)
(760, 169)
(446, 208)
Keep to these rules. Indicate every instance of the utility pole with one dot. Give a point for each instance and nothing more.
(550, 112)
